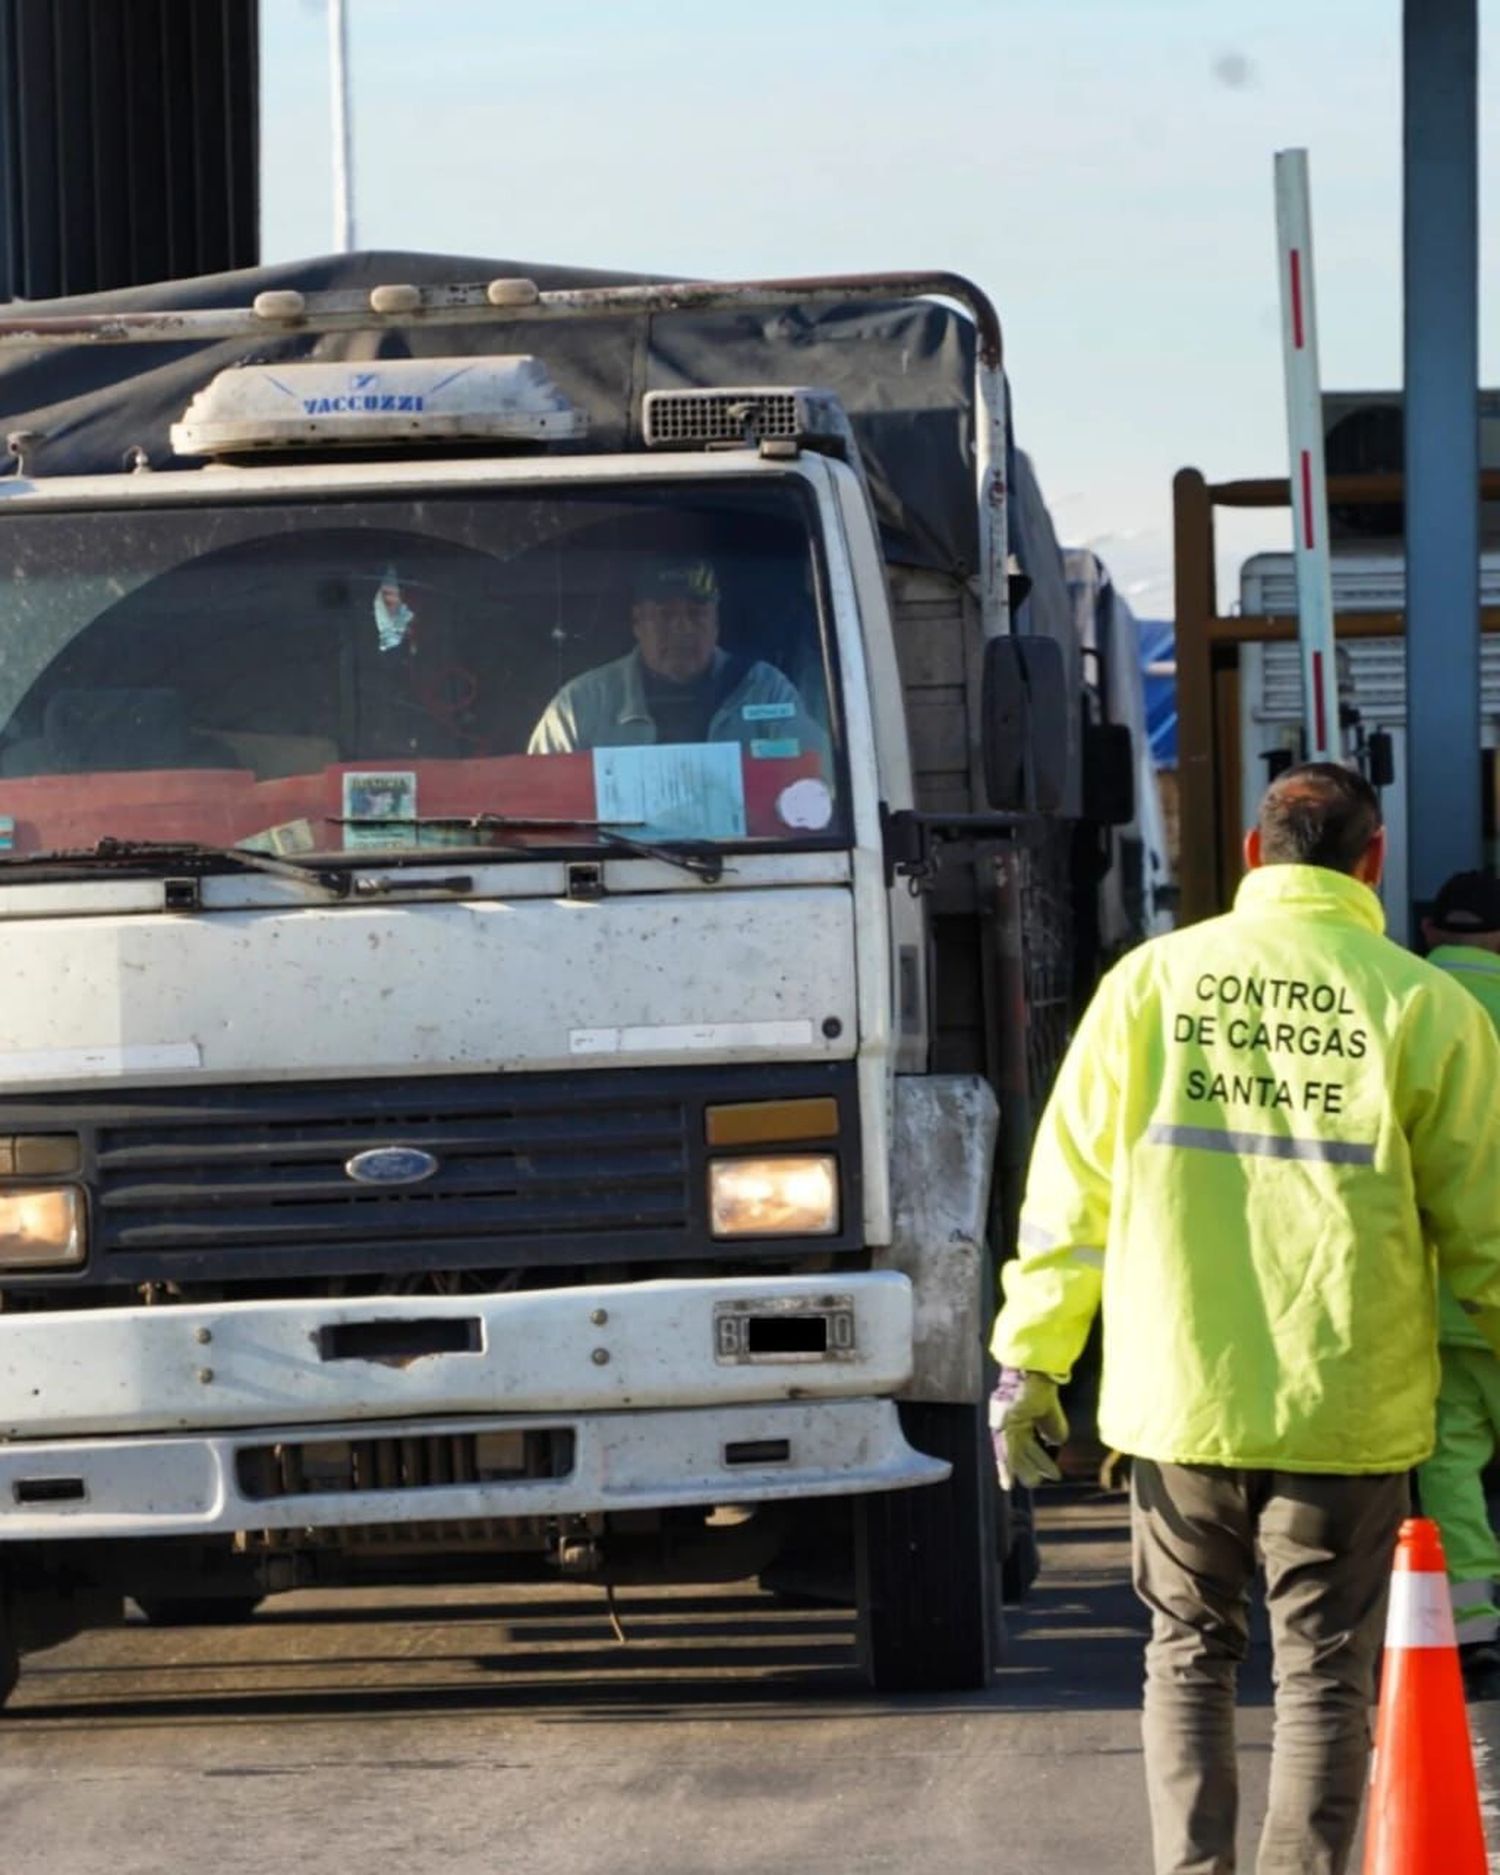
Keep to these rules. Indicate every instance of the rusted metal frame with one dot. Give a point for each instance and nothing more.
(1255, 628)
(990, 419)
(1207, 641)
(1225, 636)
(1229, 755)
(1382, 490)
(468, 304)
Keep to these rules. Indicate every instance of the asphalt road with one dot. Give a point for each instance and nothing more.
(482, 1730)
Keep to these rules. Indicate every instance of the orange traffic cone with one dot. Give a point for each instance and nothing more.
(1424, 1800)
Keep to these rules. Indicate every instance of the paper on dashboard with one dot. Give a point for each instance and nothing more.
(672, 790)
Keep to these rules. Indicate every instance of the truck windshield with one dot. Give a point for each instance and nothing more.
(329, 677)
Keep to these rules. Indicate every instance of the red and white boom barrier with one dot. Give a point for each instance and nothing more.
(1304, 422)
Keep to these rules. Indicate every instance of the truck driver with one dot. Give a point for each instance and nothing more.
(677, 685)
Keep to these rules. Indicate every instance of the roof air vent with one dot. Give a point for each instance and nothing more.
(744, 418)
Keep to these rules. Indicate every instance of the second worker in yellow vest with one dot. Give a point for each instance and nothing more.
(1269, 1133)
(1463, 935)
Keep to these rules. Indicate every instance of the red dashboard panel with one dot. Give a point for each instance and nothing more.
(223, 806)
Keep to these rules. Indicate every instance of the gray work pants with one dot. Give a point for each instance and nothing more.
(1326, 1544)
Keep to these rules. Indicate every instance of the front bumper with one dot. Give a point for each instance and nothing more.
(189, 1485)
(609, 1347)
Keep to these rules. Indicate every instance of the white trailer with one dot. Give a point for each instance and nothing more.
(1371, 680)
(1136, 891)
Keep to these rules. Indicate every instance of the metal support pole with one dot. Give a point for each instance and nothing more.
(343, 149)
(1441, 100)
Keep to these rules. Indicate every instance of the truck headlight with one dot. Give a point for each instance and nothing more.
(41, 1228)
(783, 1197)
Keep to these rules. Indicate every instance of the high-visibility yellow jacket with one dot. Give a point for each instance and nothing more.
(1479, 973)
(1270, 1130)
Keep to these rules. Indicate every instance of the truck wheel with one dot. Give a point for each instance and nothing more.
(198, 1611)
(929, 1576)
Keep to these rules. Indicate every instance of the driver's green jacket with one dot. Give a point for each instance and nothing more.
(1271, 1131)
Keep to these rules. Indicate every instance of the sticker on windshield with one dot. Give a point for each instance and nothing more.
(380, 807)
(806, 804)
(768, 712)
(774, 748)
(7, 833)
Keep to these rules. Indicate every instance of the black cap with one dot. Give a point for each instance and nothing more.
(1468, 903)
(675, 579)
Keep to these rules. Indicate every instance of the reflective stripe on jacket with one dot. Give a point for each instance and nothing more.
(1478, 972)
(1259, 1119)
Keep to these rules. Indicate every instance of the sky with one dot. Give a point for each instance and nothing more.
(1102, 167)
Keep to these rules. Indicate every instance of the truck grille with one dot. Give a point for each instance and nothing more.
(268, 1172)
(245, 1183)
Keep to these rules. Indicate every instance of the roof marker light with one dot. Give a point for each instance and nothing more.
(512, 293)
(395, 299)
(279, 303)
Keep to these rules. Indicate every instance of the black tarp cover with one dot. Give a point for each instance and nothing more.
(903, 371)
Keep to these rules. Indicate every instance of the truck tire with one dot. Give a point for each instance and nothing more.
(198, 1611)
(928, 1565)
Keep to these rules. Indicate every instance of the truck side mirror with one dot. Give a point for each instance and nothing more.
(1024, 711)
(1108, 774)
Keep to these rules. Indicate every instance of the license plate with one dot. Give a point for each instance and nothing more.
(773, 1331)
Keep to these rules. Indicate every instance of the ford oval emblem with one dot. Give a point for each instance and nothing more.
(392, 1165)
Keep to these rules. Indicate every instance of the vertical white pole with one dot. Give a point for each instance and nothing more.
(343, 153)
(1304, 423)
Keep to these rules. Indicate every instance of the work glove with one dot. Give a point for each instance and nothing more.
(1024, 1410)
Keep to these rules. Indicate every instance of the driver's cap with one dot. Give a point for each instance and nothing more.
(665, 580)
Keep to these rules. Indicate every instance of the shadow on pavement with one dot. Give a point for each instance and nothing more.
(1075, 1645)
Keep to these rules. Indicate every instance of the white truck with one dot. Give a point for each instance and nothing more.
(517, 819)
(1129, 854)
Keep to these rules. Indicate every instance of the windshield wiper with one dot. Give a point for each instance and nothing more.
(192, 856)
(698, 857)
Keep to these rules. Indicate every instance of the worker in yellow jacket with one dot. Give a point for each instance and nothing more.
(1270, 1132)
(1463, 938)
